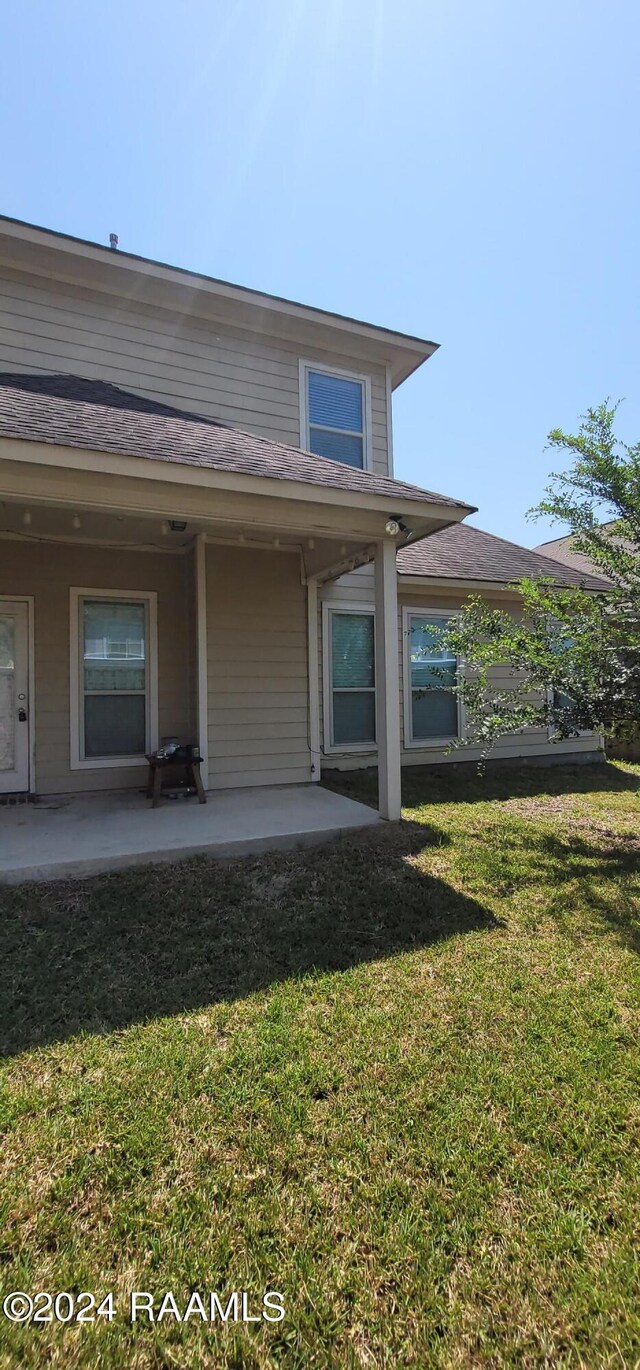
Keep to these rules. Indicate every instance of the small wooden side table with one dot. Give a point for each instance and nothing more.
(190, 766)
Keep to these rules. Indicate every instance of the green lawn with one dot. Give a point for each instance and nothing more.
(395, 1079)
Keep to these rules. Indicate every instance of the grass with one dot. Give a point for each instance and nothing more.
(395, 1079)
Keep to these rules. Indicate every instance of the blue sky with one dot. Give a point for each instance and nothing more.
(465, 171)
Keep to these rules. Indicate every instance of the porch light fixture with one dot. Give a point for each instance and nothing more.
(395, 525)
(165, 529)
(76, 521)
(26, 518)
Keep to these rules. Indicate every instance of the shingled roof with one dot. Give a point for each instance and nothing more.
(562, 549)
(72, 411)
(463, 552)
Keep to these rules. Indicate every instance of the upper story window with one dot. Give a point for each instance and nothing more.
(334, 409)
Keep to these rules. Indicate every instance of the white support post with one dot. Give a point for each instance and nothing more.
(313, 664)
(201, 655)
(387, 681)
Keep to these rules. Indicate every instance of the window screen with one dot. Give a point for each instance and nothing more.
(434, 704)
(352, 679)
(335, 407)
(114, 679)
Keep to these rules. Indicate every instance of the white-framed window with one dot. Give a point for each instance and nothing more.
(113, 677)
(432, 708)
(349, 679)
(335, 414)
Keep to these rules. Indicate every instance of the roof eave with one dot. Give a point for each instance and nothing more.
(102, 460)
(402, 352)
(454, 582)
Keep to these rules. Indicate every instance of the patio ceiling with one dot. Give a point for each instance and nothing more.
(35, 521)
(51, 492)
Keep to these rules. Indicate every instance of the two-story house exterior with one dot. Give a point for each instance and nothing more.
(201, 535)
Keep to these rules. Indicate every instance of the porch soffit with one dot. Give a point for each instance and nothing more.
(33, 522)
(209, 501)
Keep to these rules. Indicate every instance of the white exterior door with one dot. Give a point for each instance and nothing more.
(14, 697)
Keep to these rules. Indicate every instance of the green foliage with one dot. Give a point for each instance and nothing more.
(599, 498)
(394, 1078)
(571, 662)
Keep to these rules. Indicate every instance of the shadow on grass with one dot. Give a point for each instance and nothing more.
(460, 782)
(604, 868)
(102, 954)
(592, 870)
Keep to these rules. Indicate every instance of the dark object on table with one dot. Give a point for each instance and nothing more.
(172, 756)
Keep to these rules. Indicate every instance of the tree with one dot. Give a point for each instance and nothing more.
(572, 658)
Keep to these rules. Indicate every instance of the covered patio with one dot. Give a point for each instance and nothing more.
(72, 835)
(160, 575)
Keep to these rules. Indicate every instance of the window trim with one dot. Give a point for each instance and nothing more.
(304, 367)
(412, 743)
(331, 748)
(77, 761)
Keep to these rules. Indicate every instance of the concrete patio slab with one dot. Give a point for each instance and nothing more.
(83, 835)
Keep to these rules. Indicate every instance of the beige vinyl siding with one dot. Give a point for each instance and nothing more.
(47, 571)
(244, 379)
(257, 668)
(357, 588)
(533, 742)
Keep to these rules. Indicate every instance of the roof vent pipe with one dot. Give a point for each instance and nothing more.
(113, 241)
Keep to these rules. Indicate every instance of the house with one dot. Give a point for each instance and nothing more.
(563, 549)
(200, 524)
(435, 577)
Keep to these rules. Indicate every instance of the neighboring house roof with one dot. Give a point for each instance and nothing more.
(561, 549)
(70, 411)
(463, 552)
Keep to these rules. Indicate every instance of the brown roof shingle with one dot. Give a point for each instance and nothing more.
(463, 552)
(72, 411)
(561, 549)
